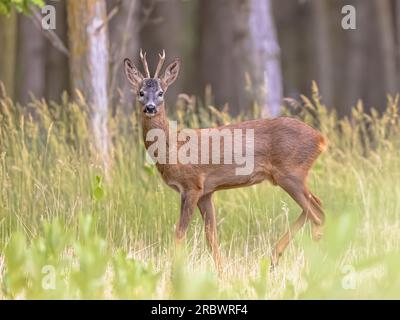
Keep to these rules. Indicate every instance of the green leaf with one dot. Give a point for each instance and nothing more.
(98, 193)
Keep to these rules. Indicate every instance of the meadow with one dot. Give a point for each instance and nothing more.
(68, 230)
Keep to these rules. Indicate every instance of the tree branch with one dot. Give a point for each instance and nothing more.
(49, 34)
(112, 13)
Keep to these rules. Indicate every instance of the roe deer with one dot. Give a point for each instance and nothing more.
(284, 151)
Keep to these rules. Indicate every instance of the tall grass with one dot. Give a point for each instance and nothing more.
(113, 238)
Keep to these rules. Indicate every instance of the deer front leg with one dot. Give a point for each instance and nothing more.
(188, 204)
(207, 211)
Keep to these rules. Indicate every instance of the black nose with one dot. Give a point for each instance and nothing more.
(150, 108)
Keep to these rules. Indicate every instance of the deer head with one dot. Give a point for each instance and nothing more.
(150, 90)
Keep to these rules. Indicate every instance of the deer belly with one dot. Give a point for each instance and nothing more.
(175, 185)
(238, 181)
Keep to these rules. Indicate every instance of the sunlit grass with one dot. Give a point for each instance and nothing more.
(113, 237)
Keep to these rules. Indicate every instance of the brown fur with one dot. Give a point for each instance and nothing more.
(284, 151)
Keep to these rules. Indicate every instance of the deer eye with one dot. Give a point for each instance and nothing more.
(160, 94)
(141, 93)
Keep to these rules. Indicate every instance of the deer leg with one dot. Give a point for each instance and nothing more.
(287, 237)
(298, 191)
(317, 229)
(207, 211)
(188, 204)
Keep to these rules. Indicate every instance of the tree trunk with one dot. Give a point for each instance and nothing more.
(8, 36)
(56, 62)
(89, 62)
(387, 45)
(31, 60)
(397, 19)
(163, 30)
(124, 34)
(294, 26)
(321, 19)
(356, 61)
(239, 39)
(266, 53)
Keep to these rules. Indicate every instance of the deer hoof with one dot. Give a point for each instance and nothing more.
(317, 232)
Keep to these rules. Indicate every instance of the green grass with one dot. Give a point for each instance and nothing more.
(67, 231)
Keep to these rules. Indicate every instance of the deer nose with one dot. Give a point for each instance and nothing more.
(150, 108)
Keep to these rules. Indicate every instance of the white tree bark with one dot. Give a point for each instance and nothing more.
(98, 71)
(266, 50)
(89, 63)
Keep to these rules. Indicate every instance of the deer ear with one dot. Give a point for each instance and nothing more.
(171, 72)
(132, 73)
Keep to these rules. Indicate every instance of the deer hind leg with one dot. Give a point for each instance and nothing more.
(207, 211)
(317, 229)
(296, 188)
(287, 237)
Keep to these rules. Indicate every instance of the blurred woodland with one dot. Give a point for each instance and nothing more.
(246, 50)
(79, 196)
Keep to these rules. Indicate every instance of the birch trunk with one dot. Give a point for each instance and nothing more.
(89, 62)
(239, 43)
(266, 51)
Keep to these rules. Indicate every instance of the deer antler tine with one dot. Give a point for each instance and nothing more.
(144, 62)
(160, 63)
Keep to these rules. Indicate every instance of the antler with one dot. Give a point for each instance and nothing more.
(160, 63)
(144, 62)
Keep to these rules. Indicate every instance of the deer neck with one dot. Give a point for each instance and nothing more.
(159, 121)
